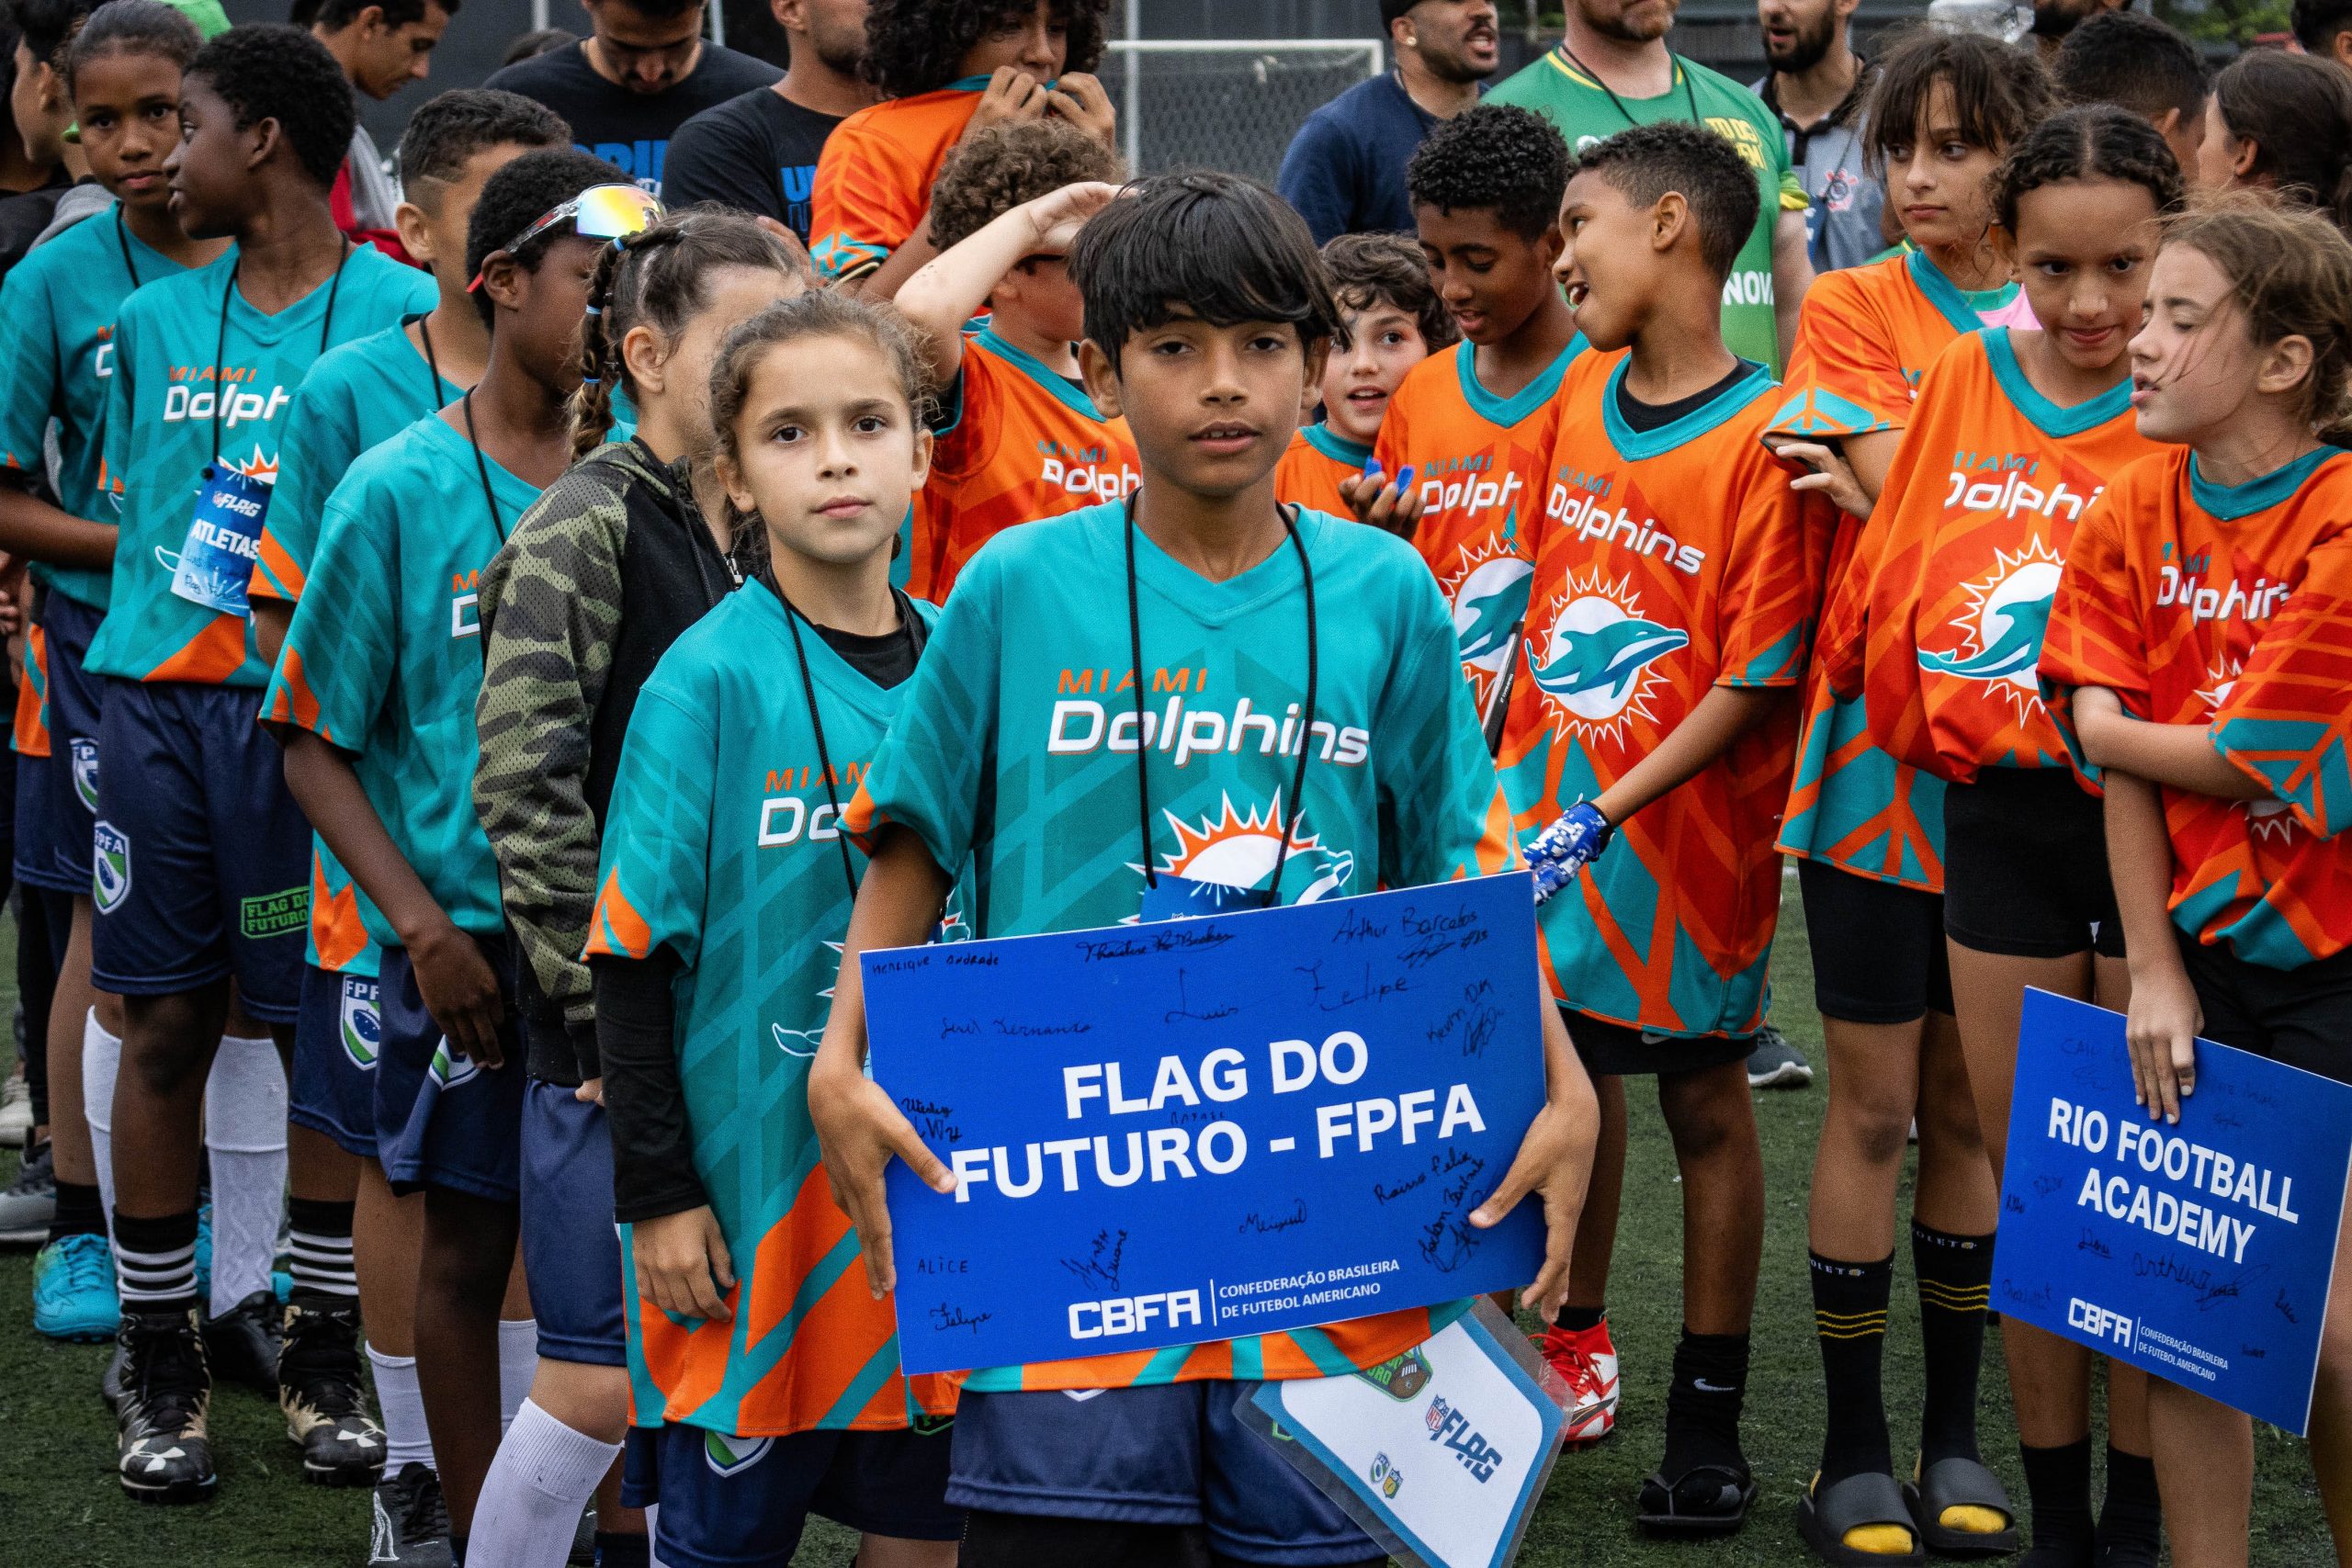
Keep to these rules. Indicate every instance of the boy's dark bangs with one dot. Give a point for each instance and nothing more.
(1200, 248)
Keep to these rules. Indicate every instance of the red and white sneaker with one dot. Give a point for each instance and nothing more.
(1587, 1362)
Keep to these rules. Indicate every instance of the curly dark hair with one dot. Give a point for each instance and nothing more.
(270, 71)
(2297, 110)
(449, 128)
(1648, 161)
(1493, 155)
(918, 46)
(1008, 164)
(1999, 91)
(2092, 141)
(517, 196)
(1370, 270)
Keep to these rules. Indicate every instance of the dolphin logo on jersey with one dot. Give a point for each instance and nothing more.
(2266, 817)
(1593, 656)
(363, 1031)
(729, 1455)
(1235, 850)
(1605, 659)
(1488, 608)
(109, 867)
(2004, 621)
(86, 771)
(449, 1068)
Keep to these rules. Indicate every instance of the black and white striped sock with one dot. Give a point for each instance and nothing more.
(321, 1249)
(155, 1262)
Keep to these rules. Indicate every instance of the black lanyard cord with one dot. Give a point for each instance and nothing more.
(1289, 824)
(481, 466)
(792, 618)
(1674, 64)
(431, 361)
(122, 241)
(221, 342)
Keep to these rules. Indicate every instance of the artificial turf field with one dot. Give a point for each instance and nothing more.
(59, 1507)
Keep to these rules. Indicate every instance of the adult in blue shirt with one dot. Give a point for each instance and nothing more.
(1345, 169)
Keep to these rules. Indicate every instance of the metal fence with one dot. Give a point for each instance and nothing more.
(1230, 104)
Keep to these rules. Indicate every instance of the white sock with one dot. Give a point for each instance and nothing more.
(101, 1064)
(530, 1504)
(407, 1440)
(653, 1533)
(518, 1363)
(245, 1133)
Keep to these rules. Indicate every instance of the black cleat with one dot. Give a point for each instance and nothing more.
(111, 1381)
(164, 1455)
(410, 1527)
(243, 1343)
(318, 1389)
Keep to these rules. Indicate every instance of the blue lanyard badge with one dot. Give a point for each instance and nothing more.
(216, 564)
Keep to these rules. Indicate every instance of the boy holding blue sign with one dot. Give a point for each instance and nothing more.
(374, 698)
(200, 850)
(2197, 650)
(1665, 635)
(1028, 744)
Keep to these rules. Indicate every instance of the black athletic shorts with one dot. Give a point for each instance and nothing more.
(2302, 1017)
(1616, 1050)
(1878, 947)
(2025, 866)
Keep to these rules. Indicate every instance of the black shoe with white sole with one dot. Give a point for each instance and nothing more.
(164, 1454)
(410, 1526)
(318, 1388)
(242, 1342)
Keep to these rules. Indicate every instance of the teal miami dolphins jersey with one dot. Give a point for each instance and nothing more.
(1675, 560)
(1479, 462)
(356, 398)
(1016, 743)
(722, 845)
(162, 403)
(384, 657)
(55, 360)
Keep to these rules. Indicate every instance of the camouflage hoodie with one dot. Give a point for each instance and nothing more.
(600, 577)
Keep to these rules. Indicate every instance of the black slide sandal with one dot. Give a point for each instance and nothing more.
(1958, 1484)
(1825, 1517)
(1662, 1506)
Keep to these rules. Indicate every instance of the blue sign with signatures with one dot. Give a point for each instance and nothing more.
(1233, 1124)
(2201, 1251)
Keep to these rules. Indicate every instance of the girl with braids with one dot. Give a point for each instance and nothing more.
(601, 574)
(2282, 122)
(2222, 735)
(723, 903)
(1943, 608)
(951, 68)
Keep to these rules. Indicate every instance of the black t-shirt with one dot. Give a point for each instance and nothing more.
(1647, 417)
(630, 129)
(756, 153)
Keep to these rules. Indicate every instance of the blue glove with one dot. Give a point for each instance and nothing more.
(1572, 841)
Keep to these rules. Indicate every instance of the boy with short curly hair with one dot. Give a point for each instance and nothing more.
(951, 71)
(1019, 437)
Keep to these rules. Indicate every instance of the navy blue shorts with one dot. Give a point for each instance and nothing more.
(571, 1251)
(71, 801)
(203, 860)
(336, 1042)
(23, 798)
(741, 1502)
(1168, 1454)
(442, 1119)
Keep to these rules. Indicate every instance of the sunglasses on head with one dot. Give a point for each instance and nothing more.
(600, 212)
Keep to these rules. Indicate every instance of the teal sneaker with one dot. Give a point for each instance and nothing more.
(204, 1256)
(73, 1291)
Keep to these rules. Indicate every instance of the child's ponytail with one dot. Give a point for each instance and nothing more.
(660, 278)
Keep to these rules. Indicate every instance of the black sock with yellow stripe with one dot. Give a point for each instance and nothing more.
(1849, 1318)
(1955, 1285)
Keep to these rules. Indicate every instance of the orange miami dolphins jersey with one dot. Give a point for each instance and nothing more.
(2231, 607)
(1957, 565)
(1479, 463)
(874, 175)
(1318, 457)
(1023, 443)
(1865, 337)
(1673, 560)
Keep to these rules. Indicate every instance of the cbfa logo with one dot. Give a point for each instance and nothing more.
(1593, 664)
(1488, 594)
(729, 1455)
(109, 867)
(449, 1069)
(1237, 851)
(2001, 625)
(2266, 817)
(2098, 1321)
(363, 1031)
(86, 771)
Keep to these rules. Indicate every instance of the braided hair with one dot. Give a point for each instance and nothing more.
(660, 279)
(2093, 141)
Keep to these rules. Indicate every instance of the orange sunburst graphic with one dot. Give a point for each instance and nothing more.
(2268, 817)
(1592, 655)
(257, 466)
(2000, 626)
(1238, 850)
